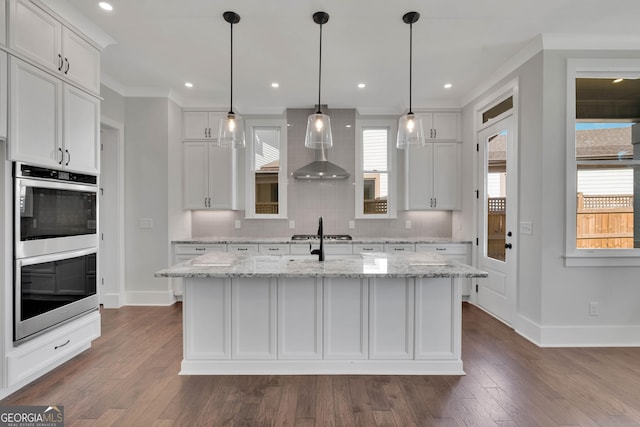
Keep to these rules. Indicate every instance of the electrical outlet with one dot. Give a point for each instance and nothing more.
(352, 224)
(238, 223)
(292, 224)
(407, 224)
(594, 310)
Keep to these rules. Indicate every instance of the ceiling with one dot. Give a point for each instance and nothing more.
(158, 45)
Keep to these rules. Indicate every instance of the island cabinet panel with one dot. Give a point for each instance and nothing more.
(253, 326)
(346, 332)
(300, 318)
(435, 306)
(391, 318)
(208, 322)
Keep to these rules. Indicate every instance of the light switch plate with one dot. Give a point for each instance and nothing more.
(526, 227)
(145, 222)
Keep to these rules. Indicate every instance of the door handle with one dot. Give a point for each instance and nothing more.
(508, 246)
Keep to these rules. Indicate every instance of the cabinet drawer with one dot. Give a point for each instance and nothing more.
(399, 247)
(243, 248)
(359, 248)
(274, 249)
(444, 249)
(198, 249)
(53, 348)
(336, 248)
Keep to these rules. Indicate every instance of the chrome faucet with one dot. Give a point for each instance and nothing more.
(320, 251)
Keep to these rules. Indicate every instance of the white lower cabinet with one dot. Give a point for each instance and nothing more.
(434, 302)
(208, 321)
(345, 319)
(298, 325)
(300, 318)
(390, 319)
(253, 319)
(51, 349)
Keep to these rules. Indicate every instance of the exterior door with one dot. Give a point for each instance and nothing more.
(497, 219)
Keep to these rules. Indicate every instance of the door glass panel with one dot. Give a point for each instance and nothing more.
(267, 166)
(375, 171)
(496, 203)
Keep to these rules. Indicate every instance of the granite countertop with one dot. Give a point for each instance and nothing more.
(383, 265)
(275, 240)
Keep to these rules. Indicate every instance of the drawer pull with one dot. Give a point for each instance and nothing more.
(367, 249)
(398, 249)
(274, 249)
(61, 345)
(242, 249)
(201, 249)
(441, 249)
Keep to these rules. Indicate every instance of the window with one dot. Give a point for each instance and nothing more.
(375, 171)
(266, 176)
(603, 219)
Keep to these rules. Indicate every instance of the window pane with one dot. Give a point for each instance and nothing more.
(496, 174)
(374, 149)
(374, 165)
(605, 196)
(267, 166)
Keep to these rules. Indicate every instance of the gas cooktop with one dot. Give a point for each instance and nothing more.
(315, 237)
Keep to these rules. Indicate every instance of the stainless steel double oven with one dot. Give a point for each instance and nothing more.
(55, 248)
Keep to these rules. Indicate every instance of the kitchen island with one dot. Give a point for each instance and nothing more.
(374, 313)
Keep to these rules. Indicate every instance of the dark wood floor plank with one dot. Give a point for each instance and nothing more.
(130, 378)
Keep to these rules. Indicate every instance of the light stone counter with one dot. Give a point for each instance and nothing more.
(381, 265)
(275, 240)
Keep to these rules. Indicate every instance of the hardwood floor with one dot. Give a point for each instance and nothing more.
(130, 378)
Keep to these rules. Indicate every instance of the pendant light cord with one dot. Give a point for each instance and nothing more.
(410, 63)
(231, 72)
(320, 72)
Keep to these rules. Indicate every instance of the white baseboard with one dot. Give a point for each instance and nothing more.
(162, 298)
(579, 336)
(321, 367)
(111, 301)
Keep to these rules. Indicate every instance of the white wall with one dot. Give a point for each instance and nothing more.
(146, 198)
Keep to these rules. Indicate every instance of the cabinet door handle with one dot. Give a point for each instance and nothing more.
(60, 62)
(61, 345)
(66, 70)
(61, 156)
(435, 133)
(68, 157)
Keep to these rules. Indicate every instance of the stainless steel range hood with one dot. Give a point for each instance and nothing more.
(321, 168)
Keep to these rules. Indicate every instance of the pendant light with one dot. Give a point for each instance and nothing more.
(231, 132)
(410, 130)
(318, 134)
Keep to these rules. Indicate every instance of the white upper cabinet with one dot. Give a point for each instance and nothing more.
(3, 22)
(37, 36)
(3, 96)
(442, 125)
(52, 124)
(432, 180)
(200, 125)
(208, 173)
(81, 132)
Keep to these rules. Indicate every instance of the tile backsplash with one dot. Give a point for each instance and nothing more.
(334, 200)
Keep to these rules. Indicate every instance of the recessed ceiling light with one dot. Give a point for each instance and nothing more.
(448, 85)
(362, 85)
(618, 80)
(275, 85)
(106, 6)
(188, 84)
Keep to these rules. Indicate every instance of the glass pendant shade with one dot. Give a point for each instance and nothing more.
(231, 132)
(410, 131)
(318, 132)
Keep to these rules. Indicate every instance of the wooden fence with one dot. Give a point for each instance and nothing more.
(604, 221)
(496, 227)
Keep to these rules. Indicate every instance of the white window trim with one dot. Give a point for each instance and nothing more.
(250, 183)
(380, 123)
(575, 257)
